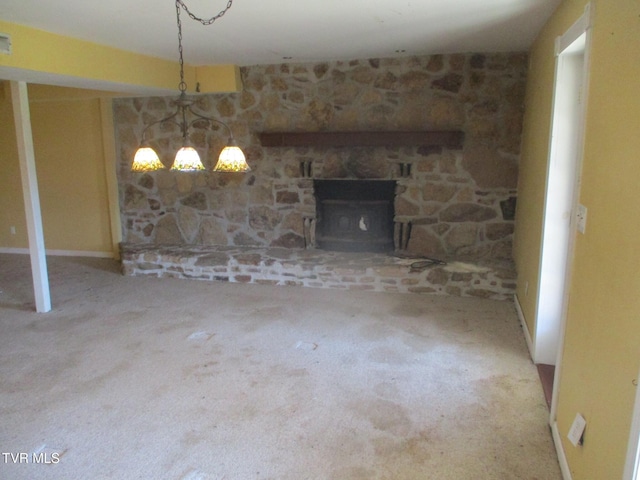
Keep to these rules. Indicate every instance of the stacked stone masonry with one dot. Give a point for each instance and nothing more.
(450, 202)
(321, 269)
(460, 202)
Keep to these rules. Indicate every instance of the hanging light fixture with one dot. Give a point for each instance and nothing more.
(231, 158)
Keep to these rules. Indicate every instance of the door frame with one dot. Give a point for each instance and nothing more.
(562, 186)
(582, 27)
(632, 464)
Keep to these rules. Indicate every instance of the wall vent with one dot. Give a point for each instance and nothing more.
(5, 44)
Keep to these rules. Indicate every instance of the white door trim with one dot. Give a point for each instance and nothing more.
(581, 27)
(631, 467)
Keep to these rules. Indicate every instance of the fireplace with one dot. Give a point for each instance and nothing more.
(355, 215)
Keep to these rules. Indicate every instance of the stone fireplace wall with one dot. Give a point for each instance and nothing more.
(457, 202)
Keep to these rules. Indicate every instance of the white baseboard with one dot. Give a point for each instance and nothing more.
(562, 458)
(525, 329)
(59, 253)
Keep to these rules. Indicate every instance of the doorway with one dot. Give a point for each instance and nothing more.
(561, 198)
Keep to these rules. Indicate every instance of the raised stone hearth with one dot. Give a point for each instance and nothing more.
(376, 272)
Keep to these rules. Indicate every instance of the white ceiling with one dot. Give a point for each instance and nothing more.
(276, 31)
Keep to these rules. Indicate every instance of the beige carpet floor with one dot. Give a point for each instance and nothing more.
(143, 378)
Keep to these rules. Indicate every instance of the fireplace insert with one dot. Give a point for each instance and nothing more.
(355, 215)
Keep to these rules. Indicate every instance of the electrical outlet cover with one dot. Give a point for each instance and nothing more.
(577, 430)
(582, 218)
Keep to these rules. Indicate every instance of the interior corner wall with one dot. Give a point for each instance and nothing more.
(600, 353)
(70, 165)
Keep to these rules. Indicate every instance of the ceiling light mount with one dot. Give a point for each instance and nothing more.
(187, 159)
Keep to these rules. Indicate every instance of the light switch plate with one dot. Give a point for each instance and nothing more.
(577, 430)
(5, 44)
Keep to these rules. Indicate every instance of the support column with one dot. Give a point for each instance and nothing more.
(26, 155)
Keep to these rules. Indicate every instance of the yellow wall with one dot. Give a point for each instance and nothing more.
(218, 78)
(37, 50)
(11, 203)
(71, 169)
(601, 355)
(65, 60)
(73, 132)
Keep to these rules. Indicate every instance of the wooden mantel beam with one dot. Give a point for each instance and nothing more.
(445, 138)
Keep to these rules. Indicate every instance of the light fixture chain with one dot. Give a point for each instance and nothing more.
(203, 21)
(182, 85)
(180, 3)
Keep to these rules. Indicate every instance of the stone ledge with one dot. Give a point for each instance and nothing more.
(321, 269)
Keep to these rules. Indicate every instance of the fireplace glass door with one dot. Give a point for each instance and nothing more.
(355, 215)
